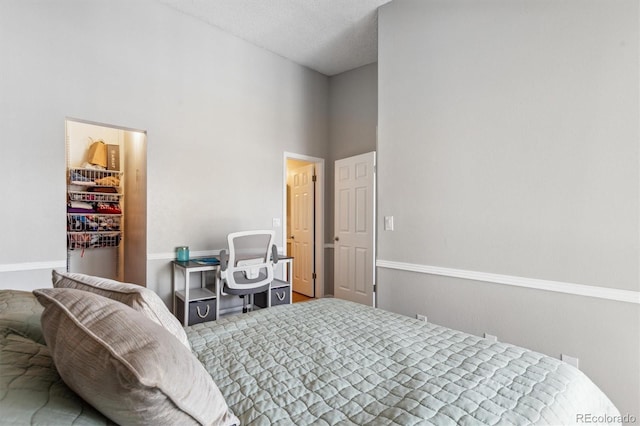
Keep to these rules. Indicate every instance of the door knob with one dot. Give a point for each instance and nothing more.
(293, 237)
(336, 239)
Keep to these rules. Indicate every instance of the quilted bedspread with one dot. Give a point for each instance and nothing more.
(330, 362)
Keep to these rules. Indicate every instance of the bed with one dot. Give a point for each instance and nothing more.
(323, 362)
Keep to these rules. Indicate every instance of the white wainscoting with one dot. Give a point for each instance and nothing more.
(31, 266)
(201, 253)
(172, 254)
(557, 286)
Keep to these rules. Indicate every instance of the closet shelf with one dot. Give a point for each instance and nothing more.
(98, 172)
(95, 232)
(94, 177)
(83, 240)
(94, 214)
(85, 222)
(94, 197)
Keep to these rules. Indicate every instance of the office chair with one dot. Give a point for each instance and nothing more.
(248, 267)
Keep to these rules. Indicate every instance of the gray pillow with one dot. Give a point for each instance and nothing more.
(139, 298)
(128, 367)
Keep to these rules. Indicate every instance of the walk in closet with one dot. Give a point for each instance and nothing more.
(106, 201)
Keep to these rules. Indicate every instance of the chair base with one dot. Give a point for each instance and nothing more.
(245, 308)
(244, 294)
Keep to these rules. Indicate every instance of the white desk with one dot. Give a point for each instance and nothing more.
(205, 291)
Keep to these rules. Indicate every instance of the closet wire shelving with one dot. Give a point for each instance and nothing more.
(99, 228)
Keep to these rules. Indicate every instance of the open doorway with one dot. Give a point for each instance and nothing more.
(303, 229)
(106, 200)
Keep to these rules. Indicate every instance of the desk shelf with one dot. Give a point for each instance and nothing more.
(196, 294)
(193, 305)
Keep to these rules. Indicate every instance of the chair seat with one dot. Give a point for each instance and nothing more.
(244, 291)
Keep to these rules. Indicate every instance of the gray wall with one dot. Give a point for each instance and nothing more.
(353, 116)
(508, 144)
(218, 112)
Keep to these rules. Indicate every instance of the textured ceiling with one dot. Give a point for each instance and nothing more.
(329, 36)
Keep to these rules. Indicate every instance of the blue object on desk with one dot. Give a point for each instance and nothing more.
(182, 254)
(208, 261)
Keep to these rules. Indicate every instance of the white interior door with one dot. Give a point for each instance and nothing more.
(302, 229)
(354, 226)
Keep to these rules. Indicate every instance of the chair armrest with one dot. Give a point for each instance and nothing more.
(224, 260)
(274, 254)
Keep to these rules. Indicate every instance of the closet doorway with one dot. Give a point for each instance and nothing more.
(106, 175)
(303, 222)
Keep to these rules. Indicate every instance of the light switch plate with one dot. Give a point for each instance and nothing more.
(388, 223)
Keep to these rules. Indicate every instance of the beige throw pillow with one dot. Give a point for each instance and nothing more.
(139, 298)
(126, 366)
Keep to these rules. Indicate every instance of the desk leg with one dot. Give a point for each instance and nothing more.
(173, 290)
(216, 283)
(185, 320)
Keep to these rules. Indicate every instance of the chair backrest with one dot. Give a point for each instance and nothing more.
(249, 264)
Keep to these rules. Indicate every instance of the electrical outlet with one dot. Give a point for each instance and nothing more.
(276, 222)
(491, 337)
(421, 317)
(570, 360)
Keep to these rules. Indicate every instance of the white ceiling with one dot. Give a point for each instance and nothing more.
(329, 36)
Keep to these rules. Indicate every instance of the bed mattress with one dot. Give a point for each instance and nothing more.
(323, 362)
(334, 362)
